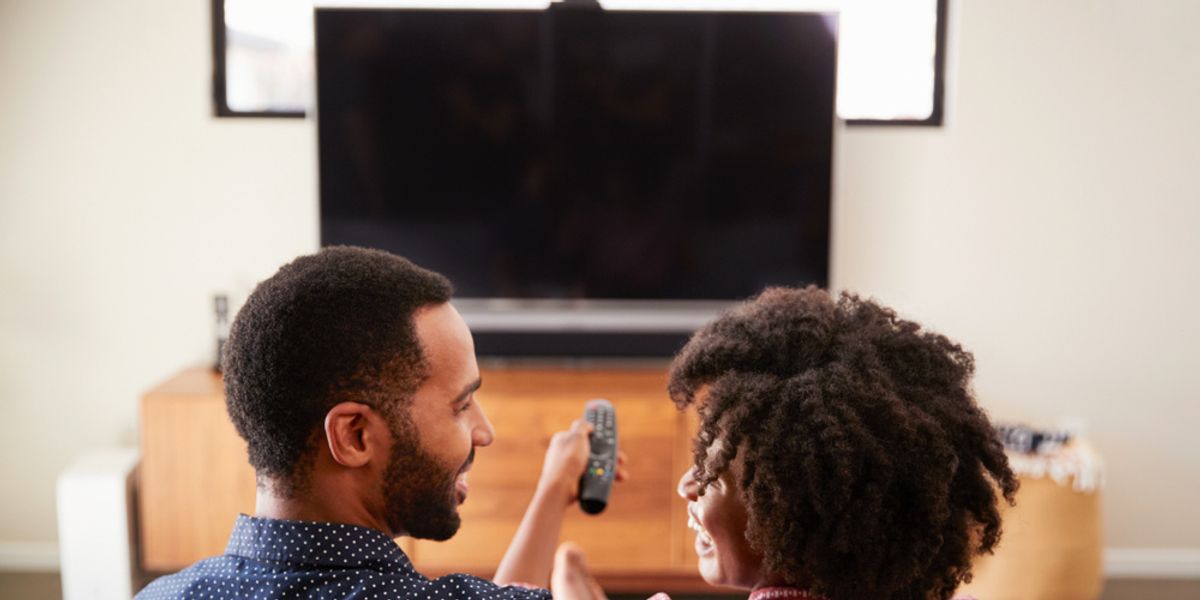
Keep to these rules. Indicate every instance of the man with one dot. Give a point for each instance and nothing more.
(352, 380)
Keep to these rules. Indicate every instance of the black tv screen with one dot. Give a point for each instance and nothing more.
(581, 154)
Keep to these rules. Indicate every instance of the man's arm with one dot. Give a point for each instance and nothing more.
(530, 556)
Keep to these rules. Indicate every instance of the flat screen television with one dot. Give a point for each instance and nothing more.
(619, 173)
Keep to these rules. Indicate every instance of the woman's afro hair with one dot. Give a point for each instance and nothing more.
(868, 469)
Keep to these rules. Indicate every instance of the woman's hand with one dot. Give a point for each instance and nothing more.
(571, 579)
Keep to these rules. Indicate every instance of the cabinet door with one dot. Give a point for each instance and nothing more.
(640, 531)
(195, 477)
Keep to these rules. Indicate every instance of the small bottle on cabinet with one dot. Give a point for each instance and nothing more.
(221, 305)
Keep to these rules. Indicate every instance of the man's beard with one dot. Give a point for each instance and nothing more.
(420, 494)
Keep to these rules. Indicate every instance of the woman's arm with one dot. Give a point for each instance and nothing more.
(572, 580)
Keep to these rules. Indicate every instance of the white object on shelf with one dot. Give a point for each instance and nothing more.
(1076, 463)
(95, 525)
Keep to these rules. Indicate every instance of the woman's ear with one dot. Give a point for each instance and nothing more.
(352, 433)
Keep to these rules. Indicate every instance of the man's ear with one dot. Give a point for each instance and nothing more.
(352, 431)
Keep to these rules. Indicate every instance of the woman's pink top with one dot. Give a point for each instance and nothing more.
(783, 593)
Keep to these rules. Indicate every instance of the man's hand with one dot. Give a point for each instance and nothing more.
(566, 458)
(571, 579)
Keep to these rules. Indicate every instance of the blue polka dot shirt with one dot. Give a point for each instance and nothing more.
(270, 558)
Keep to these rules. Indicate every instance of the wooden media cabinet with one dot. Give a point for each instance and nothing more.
(195, 477)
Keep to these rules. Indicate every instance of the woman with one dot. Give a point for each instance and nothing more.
(841, 454)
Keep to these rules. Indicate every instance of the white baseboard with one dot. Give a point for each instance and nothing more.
(37, 557)
(1152, 563)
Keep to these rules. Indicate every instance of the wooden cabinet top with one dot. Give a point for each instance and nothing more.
(199, 381)
(202, 381)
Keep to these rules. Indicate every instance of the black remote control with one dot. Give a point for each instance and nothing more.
(597, 479)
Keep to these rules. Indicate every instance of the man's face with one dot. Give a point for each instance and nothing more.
(432, 449)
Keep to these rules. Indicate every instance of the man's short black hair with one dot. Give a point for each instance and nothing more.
(869, 471)
(329, 327)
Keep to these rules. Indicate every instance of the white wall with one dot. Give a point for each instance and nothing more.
(1050, 227)
(123, 207)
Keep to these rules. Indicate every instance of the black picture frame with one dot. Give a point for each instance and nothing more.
(935, 118)
(220, 98)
